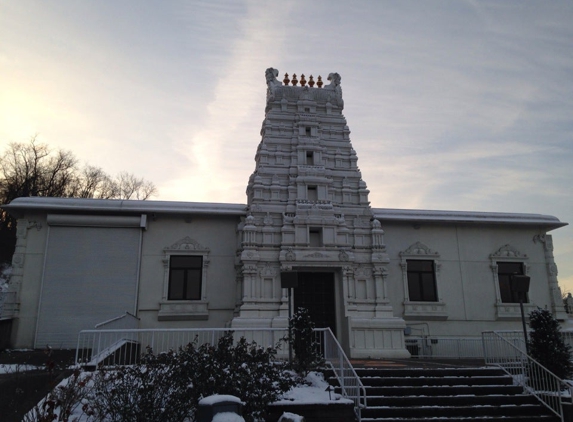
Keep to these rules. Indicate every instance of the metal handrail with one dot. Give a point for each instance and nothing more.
(526, 371)
(127, 320)
(350, 383)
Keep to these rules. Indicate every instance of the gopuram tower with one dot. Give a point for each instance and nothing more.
(308, 211)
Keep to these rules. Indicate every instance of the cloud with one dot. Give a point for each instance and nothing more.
(237, 100)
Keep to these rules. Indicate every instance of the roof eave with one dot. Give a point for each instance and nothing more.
(548, 222)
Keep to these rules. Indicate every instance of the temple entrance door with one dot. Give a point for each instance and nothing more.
(315, 292)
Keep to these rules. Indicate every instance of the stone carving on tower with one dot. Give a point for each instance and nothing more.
(308, 210)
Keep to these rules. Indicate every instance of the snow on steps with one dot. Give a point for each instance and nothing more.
(449, 395)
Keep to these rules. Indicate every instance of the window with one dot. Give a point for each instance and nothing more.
(307, 131)
(185, 277)
(505, 262)
(309, 158)
(315, 236)
(421, 281)
(504, 272)
(312, 193)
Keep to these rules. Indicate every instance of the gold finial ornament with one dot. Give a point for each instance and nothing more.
(310, 81)
(319, 83)
(302, 80)
(294, 80)
(286, 80)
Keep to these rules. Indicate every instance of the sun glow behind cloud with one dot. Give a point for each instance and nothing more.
(238, 98)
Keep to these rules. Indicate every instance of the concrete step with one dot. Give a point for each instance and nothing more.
(447, 394)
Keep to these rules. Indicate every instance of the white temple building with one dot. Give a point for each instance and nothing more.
(373, 275)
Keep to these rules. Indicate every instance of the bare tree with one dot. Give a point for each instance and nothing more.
(132, 187)
(33, 169)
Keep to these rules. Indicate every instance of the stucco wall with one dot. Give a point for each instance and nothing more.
(465, 278)
(216, 233)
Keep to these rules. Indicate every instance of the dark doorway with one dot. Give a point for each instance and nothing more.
(315, 292)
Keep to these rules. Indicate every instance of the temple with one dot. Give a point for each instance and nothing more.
(373, 275)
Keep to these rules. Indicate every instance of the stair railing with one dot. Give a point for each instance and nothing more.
(126, 321)
(339, 363)
(526, 371)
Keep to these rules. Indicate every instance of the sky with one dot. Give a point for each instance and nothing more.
(452, 105)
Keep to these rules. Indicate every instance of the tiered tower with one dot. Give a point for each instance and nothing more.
(309, 212)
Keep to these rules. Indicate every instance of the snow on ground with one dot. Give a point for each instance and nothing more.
(315, 393)
(15, 368)
(291, 417)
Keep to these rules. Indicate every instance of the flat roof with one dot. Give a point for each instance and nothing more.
(70, 205)
(82, 205)
(470, 217)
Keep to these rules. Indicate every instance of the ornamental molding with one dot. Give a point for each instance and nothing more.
(508, 251)
(268, 271)
(186, 244)
(545, 239)
(418, 249)
(315, 255)
(290, 255)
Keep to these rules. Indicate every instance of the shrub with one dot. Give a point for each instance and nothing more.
(307, 356)
(546, 344)
(62, 403)
(241, 369)
(167, 387)
(147, 392)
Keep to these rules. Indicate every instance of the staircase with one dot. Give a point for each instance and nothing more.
(449, 394)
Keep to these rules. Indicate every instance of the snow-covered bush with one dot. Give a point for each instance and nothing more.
(546, 344)
(167, 387)
(307, 356)
(240, 369)
(149, 391)
(64, 402)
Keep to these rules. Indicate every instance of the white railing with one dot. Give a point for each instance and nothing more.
(126, 321)
(437, 347)
(8, 305)
(505, 351)
(125, 346)
(516, 337)
(338, 362)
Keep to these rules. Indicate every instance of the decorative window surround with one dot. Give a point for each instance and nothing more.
(184, 310)
(435, 311)
(508, 311)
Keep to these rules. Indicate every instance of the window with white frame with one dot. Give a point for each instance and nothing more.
(421, 280)
(505, 271)
(185, 277)
(185, 281)
(506, 262)
(420, 275)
